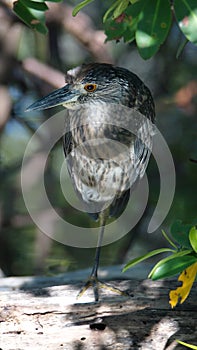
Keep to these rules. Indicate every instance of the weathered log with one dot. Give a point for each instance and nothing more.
(43, 313)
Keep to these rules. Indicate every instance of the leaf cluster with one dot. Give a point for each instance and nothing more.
(183, 252)
(146, 21)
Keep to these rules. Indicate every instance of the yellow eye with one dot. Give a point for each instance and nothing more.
(90, 87)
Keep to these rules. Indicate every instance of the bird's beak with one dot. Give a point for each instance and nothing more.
(58, 97)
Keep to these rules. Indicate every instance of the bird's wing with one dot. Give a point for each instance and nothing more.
(68, 143)
(143, 148)
(142, 155)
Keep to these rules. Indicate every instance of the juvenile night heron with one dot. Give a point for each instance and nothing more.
(102, 174)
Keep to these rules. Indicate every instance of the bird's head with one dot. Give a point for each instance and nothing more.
(96, 82)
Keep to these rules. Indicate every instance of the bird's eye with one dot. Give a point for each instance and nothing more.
(90, 87)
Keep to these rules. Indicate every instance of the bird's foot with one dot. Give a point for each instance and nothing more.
(96, 285)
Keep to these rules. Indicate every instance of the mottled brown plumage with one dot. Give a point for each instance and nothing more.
(105, 159)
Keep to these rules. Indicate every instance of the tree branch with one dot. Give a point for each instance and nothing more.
(82, 28)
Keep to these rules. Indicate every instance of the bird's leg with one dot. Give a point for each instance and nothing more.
(93, 279)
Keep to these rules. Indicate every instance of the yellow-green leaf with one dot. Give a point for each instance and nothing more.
(187, 278)
(120, 8)
(80, 6)
(145, 256)
(194, 347)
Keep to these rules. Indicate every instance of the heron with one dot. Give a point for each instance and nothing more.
(102, 174)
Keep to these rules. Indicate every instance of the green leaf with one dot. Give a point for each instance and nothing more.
(120, 8)
(168, 258)
(111, 9)
(134, 10)
(172, 265)
(144, 257)
(180, 232)
(113, 29)
(80, 6)
(125, 25)
(193, 238)
(153, 27)
(36, 5)
(186, 15)
(29, 18)
(129, 35)
(133, 14)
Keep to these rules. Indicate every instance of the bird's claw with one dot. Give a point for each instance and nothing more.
(91, 282)
(96, 284)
